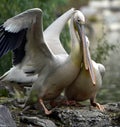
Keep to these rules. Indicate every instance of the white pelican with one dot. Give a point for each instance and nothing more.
(61, 69)
(24, 32)
(82, 88)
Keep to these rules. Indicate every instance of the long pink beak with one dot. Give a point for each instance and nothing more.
(86, 53)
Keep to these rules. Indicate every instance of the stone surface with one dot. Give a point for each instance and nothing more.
(82, 118)
(38, 121)
(72, 116)
(65, 117)
(6, 119)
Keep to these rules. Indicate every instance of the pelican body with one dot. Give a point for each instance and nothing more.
(82, 88)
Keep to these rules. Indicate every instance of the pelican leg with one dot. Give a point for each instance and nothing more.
(62, 102)
(47, 112)
(97, 105)
(69, 102)
(72, 103)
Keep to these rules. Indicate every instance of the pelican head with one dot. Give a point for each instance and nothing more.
(79, 21)
(79, 17)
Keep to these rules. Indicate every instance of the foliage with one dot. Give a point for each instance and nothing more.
(102, 50)
(5, 63)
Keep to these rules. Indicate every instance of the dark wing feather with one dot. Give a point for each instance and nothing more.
(13, 41)
(19, 53)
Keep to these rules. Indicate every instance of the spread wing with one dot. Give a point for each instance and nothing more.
(23, 34)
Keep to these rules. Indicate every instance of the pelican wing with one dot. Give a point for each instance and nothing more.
(52, 33)
(101, 68)
(24, 35)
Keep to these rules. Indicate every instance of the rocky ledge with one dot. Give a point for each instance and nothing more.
(62, 117)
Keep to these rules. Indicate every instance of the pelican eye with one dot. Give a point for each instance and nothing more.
(79, 20)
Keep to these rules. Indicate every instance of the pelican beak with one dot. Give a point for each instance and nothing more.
(81, 33)
(86, 53)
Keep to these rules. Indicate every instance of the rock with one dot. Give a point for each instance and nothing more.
(82, 118)
(74, 117)
(6, 119)
(38, 121)
(113, 109)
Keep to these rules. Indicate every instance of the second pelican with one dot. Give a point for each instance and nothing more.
(82, 88)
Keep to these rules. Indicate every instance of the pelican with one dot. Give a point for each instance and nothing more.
(61, 69)
(82, 88)
(55, 72)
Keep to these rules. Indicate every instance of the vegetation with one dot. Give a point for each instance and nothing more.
(102, 50)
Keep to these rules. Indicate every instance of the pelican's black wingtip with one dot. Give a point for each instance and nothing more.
(13, 41)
